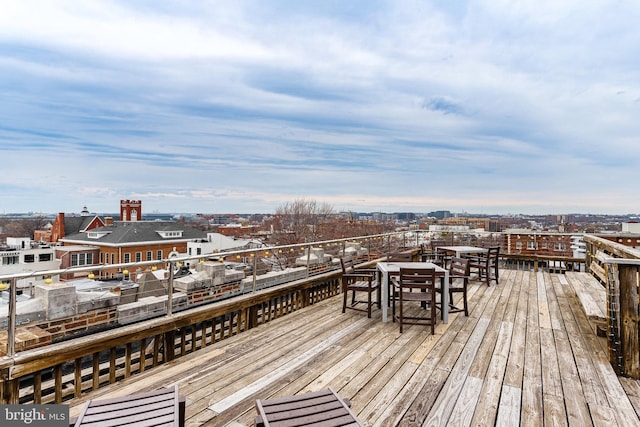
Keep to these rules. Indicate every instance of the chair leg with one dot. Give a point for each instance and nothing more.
(344, 302)
(392, 301)
(369, 304)
(433, 315)
(466, 303)
(401, 318)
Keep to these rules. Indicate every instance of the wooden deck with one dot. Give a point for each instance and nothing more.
(526, 355)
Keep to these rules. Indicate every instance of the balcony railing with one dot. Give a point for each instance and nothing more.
(617, 267)
(101, 336)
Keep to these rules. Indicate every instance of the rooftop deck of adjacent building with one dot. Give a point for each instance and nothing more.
(526, 355)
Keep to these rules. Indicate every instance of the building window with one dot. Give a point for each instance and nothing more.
(81, 258)
(199, 251)
(149, 256)
(519, 246)
(558, 246)
(531, 246)
(29, 258)
(113, 259)
(9, 260)
(159, 255)
(138, 256)
(44, 257)
(127, 257)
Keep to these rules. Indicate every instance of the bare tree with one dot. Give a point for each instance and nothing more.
(299, 221)
(24, 227)
(303, 221)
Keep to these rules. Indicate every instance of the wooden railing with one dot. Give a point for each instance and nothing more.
(544, 263)
(68, 369)
(65, 370)
(617, 267)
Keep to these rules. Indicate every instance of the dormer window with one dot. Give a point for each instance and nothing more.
(170, 234)
(97, 234)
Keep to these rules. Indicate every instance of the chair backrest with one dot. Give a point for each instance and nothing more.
(460, 267)
(347, 265)
(492, 253)
(400, 257)
(436, 243)
(417, 278)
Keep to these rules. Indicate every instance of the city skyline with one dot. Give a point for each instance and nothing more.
(492, 107)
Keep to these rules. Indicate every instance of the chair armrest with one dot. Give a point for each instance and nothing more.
(366, 270)
(357, 275)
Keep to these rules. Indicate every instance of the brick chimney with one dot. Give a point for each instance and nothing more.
(108, 220)
(57, 230)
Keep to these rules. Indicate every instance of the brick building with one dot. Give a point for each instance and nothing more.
(527, 242)
(65, 224)
(124, 241)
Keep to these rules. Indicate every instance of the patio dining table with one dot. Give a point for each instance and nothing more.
(460, 250)
(389, 268)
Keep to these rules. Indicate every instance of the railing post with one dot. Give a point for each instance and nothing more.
(255, 271)
(170, 290)
(308, 258)
(11, 327)
(628, 275)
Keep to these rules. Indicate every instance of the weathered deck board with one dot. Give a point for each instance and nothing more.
(526, 355)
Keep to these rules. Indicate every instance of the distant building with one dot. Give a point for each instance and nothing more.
(440, 214)
(21, 255)
(71, 224)
(529, 242)
(104, 242)
(631, 227)
(126, 241)
(216, 242)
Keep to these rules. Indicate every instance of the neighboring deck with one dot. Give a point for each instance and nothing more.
(526, 355)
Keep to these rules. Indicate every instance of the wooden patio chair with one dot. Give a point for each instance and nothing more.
(399, 257)
(396, 257)
(320, 408)
(432, 254)
(487, 265)
(415, 285)
(358, 280)
(459, 271)
(159, 407)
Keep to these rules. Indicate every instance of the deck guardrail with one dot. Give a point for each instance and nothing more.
(617, 267)
(70, 366)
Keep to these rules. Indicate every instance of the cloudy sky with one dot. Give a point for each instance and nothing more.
(481, 106)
